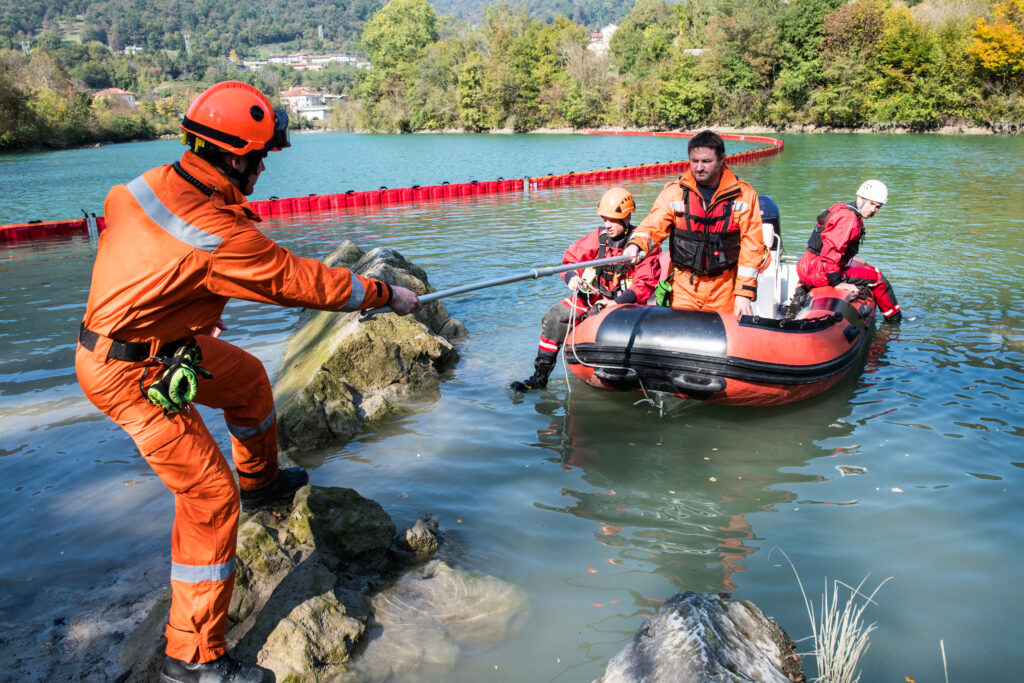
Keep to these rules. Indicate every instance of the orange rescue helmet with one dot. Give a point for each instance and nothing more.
(238, 118)
(616, 203)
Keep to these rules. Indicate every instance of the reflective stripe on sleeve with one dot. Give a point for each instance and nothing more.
(678, 206)
(746, 271)
(240, 432)
(168, 221)
(355, 299)
(187, 573)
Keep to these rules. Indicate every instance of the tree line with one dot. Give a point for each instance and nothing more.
(830, 63)
(679, 65)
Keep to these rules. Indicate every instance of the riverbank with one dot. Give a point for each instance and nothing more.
(999, 128)
(1002, 128)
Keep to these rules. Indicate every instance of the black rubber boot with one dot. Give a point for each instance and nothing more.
(288, 481)
(542, 368)
(222, 669)
(895, 318)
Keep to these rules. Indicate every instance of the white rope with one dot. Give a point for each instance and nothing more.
(571, 330)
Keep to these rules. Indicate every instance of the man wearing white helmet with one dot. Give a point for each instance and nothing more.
(835, 241)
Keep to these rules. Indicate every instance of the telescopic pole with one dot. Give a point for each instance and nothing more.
(532, 274)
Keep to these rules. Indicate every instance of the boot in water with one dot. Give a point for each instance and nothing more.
(542, 368)
(224, 669)
(288, 481)
(532, 382)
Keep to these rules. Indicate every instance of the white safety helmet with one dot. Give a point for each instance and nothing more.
(874, 191)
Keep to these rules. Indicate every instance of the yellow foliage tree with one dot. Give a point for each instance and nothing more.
(999, 44)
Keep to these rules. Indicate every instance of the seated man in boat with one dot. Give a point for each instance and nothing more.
(594, 289)
(835, 241)
(713, 223)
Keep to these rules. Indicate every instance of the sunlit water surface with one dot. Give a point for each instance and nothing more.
(594, 504)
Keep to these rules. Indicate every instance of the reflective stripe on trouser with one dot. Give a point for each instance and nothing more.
(880, 288)
(555, 324)
(185, 456)
(707, 293)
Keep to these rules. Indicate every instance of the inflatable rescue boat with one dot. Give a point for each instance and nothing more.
(768, 358)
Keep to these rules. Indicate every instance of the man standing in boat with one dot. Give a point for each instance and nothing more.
(593, 289)
(835, 241)
(181, 240)
(713, 223)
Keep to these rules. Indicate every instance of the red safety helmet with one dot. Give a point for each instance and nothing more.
(238, 118)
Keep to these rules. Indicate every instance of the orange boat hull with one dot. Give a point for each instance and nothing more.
(714, 357)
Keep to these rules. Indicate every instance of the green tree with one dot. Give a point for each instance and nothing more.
(646, 36)
(19, 125)
(849, 48)
(683, 101)
(470, 93)
(398, 34)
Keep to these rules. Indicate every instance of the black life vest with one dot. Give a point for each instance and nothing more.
(705, 244)
(612, 280)
(814, 243)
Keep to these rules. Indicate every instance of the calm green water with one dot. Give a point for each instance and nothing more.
(595, 505)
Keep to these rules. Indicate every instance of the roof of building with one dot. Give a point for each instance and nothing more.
(297, 91)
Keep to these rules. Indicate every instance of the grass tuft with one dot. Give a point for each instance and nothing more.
(840, 635)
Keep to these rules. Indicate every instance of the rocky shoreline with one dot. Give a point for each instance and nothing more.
(325, 589)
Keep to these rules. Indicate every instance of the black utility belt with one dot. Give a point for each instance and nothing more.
(132, 352)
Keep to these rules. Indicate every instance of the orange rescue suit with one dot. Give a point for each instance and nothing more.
(734, 200)
(178, 244)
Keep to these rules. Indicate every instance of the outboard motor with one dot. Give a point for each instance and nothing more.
(770, 215)
(770, 288)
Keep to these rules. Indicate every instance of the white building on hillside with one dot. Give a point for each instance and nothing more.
(117, 97)
(306, 103)
(600, 40)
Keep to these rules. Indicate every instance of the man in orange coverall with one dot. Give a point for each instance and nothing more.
(713, 222)
(180, 241)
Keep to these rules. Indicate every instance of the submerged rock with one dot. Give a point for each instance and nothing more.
(698, 638)
(429, 614)
(315, 583)
(340, 371)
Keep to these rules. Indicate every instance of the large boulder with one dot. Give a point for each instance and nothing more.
(702, 638)
(341, 370)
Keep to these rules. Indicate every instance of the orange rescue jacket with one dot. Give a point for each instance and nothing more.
(175, 251)
(745, 217)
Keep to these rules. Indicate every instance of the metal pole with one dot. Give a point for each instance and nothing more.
(534, 274)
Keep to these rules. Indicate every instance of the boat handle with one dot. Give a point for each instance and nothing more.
(617, 375)
(699, 383)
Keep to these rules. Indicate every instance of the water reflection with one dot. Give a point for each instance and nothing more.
(676, 496)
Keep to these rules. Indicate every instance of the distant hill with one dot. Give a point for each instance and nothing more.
(207, 26)
(216, 28)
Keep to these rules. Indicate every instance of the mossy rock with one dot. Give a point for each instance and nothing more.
(339, 521)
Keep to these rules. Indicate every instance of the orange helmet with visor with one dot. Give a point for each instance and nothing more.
(238, 118)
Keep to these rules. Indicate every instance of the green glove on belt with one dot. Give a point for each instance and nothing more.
(663, 293)
(178, 385)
